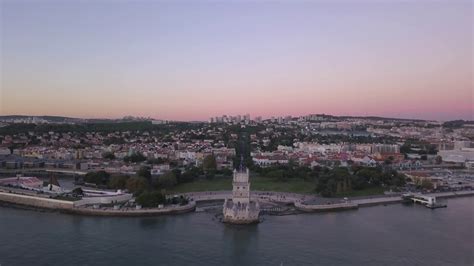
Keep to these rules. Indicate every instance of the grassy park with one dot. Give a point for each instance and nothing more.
(267, 184)
(257, 183)
(361, 193)
(334, 182)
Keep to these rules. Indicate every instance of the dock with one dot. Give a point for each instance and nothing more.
(425, 200)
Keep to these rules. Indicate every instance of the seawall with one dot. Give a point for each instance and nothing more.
(325, 207)
(354, 204)
(38, 202)
(70, 206)
(134, 212)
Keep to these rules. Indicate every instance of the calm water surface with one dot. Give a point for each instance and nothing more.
(382, 235)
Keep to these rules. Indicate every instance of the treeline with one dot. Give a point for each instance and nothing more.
(330, 182)
(96, 127)
(457, 123)
(147, 188)
(342, 179)
(289, 171)
(149, 191)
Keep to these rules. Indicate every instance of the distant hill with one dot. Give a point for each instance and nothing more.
(385, 118)
(335, 117)
(42, 117)
(457, 123)
(64, 119)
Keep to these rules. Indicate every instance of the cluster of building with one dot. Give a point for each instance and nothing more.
(307, 140)
(233, 119)
(314, 154)
(91, 151)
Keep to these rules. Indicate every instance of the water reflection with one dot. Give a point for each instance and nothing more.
(152, 222)
(381, 235)
(243, 241)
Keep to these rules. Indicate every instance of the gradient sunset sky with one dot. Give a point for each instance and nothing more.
(189, 60)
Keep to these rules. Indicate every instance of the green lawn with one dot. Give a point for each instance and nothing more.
(204, 185)
(257, 183)
(292, 185)
(266, 184)
(364, 192)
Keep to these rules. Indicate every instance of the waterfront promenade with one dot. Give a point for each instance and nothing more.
(127, 211)
(42, 201)
(305, 203)
(315, 203)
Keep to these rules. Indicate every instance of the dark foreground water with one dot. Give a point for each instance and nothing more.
(382, 235)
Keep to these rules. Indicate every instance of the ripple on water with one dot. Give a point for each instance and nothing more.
(382, 235)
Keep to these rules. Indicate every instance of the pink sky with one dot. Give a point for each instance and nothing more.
(201, 59)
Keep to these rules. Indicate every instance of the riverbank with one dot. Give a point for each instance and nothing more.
(354, 204)
(361, 237)
(301, 202)
(34, 201)
(75, 207)
(311, 203)
(130, 212)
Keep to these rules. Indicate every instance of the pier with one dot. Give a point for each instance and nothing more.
(427, 201)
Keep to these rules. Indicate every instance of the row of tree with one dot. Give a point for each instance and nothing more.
(342, 179)
(330, 182)
(150, 190)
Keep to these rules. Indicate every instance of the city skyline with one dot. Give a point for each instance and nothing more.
(194, 60)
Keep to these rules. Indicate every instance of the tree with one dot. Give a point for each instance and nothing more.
(209, 163)
(389, 160)
(134, 158)
(417, 181)
(137, 185)
(427, 184)
(167, 180)
(226, 172)
(108, 155)
(118, 182)
(189, 175)
(155, 161)
(78, 191)
(151, 199)
(340, 180)
(145, 172)
(185, 177)
(98, 178)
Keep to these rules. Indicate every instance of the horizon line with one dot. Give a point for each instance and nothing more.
(233, 115)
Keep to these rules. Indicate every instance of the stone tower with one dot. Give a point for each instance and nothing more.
(241, 187)
(241, 209)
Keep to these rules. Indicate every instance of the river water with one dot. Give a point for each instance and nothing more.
(380, 235)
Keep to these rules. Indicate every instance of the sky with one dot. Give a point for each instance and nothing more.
(190, 60)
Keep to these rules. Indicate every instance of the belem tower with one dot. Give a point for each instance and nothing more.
(241, 209)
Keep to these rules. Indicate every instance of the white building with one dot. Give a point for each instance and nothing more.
(457, 156)
(4, 151)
